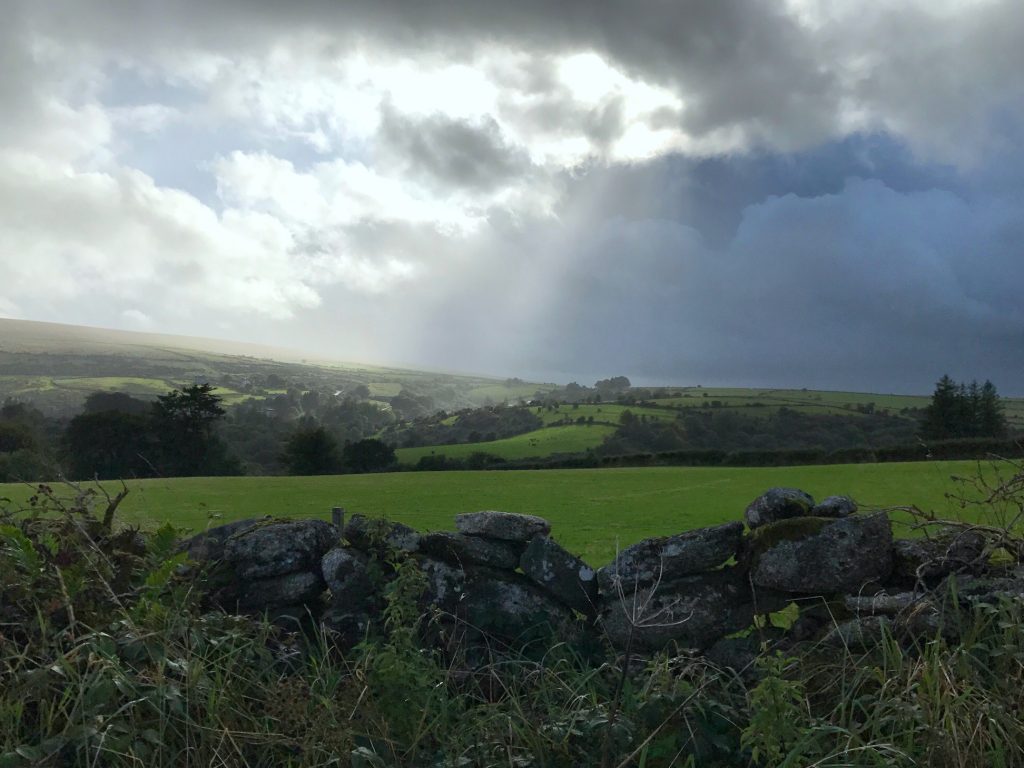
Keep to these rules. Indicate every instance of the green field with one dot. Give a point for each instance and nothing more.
(591, 511)
(539, 443)
(605, 413)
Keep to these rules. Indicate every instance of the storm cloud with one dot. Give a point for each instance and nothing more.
(797, 194)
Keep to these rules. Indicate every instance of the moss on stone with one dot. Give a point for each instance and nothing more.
(792, 529)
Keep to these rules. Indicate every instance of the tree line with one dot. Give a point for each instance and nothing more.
(962, 410)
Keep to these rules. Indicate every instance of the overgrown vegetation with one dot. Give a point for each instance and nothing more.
(107, 657)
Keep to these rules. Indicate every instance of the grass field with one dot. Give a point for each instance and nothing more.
(591, 511)
(539, 443)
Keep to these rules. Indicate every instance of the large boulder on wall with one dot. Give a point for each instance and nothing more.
(279, 547)
(671, 557)
(778, 504)
(817, 555)
(693, 612)
(506, 526)
(487, 603)
(570, 580)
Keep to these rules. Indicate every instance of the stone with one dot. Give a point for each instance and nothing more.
(859, 634)
(671, 557)
(209, 545)
(928, 561)
(834, 506)
(694, 612)
(570, 580)
(506, 526)
(881, 604)
(344, 570)
(492, 603)
(375, 534)
(820, 556)
(459, 548)
(301, 588)
(778, 504)
(279, 547)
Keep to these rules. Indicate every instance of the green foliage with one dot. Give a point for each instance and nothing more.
(964, 411)
(311, 451)
(367, 455)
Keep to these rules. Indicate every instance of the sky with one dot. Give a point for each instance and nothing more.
(803, 193)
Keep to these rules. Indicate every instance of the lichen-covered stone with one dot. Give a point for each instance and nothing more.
(506, 526)
(279, 547)
(562, 574)
(487, 602)
(778, 504)
(816, 556)
(834, 506)
(345, 572)
(377, 535)
(928, 561)
(881, 604)
(462, 549)
(671, 557)
(694, 612)
(301, 588)
(209, 545)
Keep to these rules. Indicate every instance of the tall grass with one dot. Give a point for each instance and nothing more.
(108, 658)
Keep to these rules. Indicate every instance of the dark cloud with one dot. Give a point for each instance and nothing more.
(450, 152)
(841, 210)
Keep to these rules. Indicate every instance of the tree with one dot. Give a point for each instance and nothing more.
(942, 415)
(183, 422)
(991, 418)
(964, 410)
(368, 455)
(108, 445)
(98, 402)
(311, 451)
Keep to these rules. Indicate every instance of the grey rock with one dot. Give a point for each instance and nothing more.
(695, 612)
(278, 548)
(446, 584)
(834, 506)
(778, 504)
(492, 603)
(345, 572)
(462, 549)
(562, 574)
(928, 561)
(881, 604)
(671, 557)
(375, 534)
(348, 625)
(301, 588)
(209, 545)
(859, 634)
(817, 556)
(502, 525)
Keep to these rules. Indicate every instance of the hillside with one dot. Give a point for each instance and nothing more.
(56, 366)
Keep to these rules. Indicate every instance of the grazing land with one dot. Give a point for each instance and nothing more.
(541, 442)
(591, 511)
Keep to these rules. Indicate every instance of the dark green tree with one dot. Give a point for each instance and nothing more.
(311, 451)
(108, 445)
(369, 455)
(183, 422)
(942, 416)
(991, 417)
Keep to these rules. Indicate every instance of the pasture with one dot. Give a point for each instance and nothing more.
(591, 511)
(538, 443)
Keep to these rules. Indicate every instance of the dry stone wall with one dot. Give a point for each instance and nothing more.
(501, 577)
